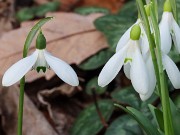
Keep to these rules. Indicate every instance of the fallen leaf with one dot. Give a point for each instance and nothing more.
(112, 5)
(64, 89)
(70, 37)
(34, 122)
(6, 16)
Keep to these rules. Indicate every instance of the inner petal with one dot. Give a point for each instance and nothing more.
(130, 51)
(41, 63)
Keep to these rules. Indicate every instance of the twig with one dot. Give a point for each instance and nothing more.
(103, 121)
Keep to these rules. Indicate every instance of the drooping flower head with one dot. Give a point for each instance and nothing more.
(169, 29)
(144, 44)
(134, 66)
(40, 60)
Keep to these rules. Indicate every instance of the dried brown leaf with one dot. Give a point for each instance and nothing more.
(34, 122)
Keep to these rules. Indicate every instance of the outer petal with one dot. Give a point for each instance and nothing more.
(112, 67)
(62, 69)
(172, 71)
(127, 68)
(144, 43)
(138, 73)
(19, 69)
(164, 28)
(176, 35)
(152, 79)
(125, 38)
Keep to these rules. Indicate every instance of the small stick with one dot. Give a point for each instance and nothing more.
(103, 121)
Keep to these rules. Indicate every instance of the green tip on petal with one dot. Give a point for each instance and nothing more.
(41, 68)
(41, 41)
(147, 8)
(167, 6)
(135, 32)
(127, 59)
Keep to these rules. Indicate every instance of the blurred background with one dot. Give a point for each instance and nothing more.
(84, 33)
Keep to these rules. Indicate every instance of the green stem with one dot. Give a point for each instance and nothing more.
(158, 66)
(167, 116)
(21, 102)
(27, 44)
(150, 39)
(174, 9)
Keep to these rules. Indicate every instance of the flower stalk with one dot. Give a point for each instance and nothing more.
(162, 86)
(27, 44)
(174, 9)
(167, 116)
(21, 104)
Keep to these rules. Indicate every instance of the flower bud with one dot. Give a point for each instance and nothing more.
(41, 41)
(167, 6)
(135, 32)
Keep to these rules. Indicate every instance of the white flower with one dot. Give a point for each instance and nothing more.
(144, 44)
(169, 27)
(40, 60)
(134, 66)
(172, 71)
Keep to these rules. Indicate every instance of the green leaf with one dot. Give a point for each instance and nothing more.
(124, 125)
(128, 96)
(25, 14)
(141, 119)
(90, 10)
(114, 26)
(129, 10)
(97, 60)
(39, 11)
(49, 7)
(176, 118)
(92, 84)
(158, 116)
(88, 121)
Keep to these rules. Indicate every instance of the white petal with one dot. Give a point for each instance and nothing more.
(165, 36)
(62, 69)
(144, 43)
(127, 68)
(172, 71)
(112, 67)
(138, 73)
(176, 35)
(152, 79)
(19, 69)
(125, 38)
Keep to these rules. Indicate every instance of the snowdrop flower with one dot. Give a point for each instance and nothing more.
(126, 36)
(169, 27)
(144, 44)
(40, 60)
(130, 56)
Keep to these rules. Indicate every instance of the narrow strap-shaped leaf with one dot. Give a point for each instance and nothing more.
(141, 119)
(158, 115)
